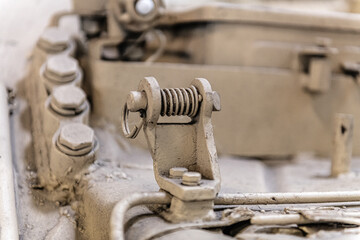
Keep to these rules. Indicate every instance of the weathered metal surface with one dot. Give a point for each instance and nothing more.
(291, 59)
(287, 81)
(295, 120)
(342, 144)
(192, 148)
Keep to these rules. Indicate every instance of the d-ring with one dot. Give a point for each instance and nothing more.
(125, 125)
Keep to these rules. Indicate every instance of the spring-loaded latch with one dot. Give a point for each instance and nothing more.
(184, 153)
(180, 101)
(174, 102)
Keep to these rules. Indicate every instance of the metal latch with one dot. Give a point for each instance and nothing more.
(315, 66)
(184, 154)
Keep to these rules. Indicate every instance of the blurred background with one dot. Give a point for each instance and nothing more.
(22, 21)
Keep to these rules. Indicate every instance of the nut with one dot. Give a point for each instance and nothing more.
(191, 178)
(76, 136)
(68, 97)
(62, 66)
(177, 172)
(54, 39)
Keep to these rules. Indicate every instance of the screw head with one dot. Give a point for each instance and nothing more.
(55, 38)
(76, 136)
(144, 7)
(191, 178)
(62, 66)
(177, 172)
(68, 97)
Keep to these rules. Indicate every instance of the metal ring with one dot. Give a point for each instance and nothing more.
(125, 125)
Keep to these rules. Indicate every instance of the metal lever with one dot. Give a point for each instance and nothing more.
(184, 154)
(315, 72)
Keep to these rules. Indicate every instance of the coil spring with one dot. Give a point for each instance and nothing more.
(180, 101)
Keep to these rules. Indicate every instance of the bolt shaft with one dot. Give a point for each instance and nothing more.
(342, 149)
(191, 178)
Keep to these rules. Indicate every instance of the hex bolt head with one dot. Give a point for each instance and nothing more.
(62, 66)
(76, 136)
(68, 97)
(177, 172)
(191, 178)
(55, 39)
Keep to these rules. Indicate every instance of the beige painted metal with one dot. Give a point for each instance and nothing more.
(8, 215)
(76, 139)
(54, 40)
(125, 14)
(66, 104)
(74, 148)
(191, 178)
(58, 103)
(188, 145)
(303, 122)
(89, 7)
(308, 215)
(118, 213)
(287, 198)
(37, 96)
(342, 144)
(59, 70)
(177, 172)
(281, 80)
(254, 72)
(223, 12)
(354, 6)
(280, 219)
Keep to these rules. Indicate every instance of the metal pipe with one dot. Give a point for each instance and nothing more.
(295, 218)
(8, 217)
(286, 198)
(117, 221)
(279, 219)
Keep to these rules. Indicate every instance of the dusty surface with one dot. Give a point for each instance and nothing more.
(21, 23)
(119, 165)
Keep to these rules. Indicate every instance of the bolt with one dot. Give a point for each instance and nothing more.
(76, 136)
(61, 68)
(54, 39)
(177, 172)
(136, 101)
(191, 178)
(144, 7)
(68, 100)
